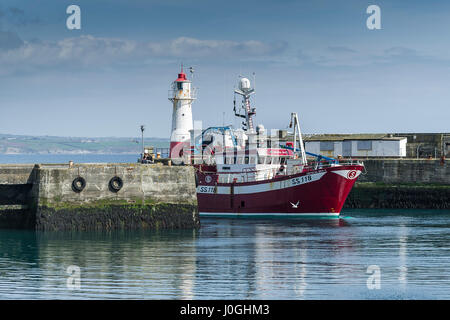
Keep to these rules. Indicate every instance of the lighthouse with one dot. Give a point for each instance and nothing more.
(181, 95)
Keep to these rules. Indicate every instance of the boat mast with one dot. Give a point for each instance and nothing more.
(245, 90)
(296, 124)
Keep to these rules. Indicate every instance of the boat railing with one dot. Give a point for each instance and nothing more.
(249, 174)
(245, 176)
(204, 159)
(315, 165)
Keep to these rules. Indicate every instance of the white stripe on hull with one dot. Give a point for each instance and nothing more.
(269, 214)
(270, 186)
(262, 187)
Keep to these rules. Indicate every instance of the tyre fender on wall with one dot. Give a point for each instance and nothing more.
(78, 184)
(115, 184)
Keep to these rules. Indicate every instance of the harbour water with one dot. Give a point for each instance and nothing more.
(365, 254)
(238, 259)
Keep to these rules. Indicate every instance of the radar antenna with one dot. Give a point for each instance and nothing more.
(245, 90)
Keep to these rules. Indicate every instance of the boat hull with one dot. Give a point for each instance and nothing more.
(318, 193)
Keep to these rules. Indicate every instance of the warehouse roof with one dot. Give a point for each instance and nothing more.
(356, 136)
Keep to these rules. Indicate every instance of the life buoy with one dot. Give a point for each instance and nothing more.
(115, 184)
(78, 184)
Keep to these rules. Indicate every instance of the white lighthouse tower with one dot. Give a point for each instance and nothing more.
(182, 95)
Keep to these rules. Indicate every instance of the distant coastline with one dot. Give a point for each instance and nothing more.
(23, 145)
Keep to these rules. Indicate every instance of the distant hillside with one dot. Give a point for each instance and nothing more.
(15, 144)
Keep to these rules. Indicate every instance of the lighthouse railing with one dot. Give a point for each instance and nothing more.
(187, 95)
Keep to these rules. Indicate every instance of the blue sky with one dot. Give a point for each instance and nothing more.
(314, 57)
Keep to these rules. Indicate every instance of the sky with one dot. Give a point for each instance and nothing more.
(316, 58)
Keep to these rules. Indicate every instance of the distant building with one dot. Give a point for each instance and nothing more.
(409, 145)
(356, 145)
(424, 145)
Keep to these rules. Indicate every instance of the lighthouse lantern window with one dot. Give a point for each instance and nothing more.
(179, 85)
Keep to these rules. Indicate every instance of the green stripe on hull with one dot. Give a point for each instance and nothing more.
(270, 215)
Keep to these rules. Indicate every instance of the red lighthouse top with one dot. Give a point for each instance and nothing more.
(181, 75)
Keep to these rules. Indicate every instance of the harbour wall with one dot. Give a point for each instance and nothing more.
(393, 196)
(156, 196)
(44, 197)
(402, 183)
(399, 171)
(16, 174)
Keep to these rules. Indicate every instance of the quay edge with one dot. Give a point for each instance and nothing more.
(149, 197)
(155, 196)
(402, 184)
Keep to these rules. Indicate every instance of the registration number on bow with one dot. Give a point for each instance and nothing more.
(206, 189)
(301, 180)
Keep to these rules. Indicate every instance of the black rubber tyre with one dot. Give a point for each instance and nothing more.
(115, 184)
(78, 184)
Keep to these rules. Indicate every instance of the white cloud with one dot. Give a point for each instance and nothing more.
(185, 46)
(87, 50)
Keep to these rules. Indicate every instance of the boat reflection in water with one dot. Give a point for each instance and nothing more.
(236, 259)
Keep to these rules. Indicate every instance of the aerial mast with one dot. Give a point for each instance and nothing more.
(245, 90)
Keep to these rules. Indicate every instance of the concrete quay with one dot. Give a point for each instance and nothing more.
(401, 171)
(402, 184)
(157, 196)
(97, 197)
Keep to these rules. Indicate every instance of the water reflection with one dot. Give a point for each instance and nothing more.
(300, 270)
(113, 265)
(267, 259)
(236, 259)
(402, 254)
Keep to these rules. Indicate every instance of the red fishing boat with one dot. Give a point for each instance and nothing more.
(250, 172)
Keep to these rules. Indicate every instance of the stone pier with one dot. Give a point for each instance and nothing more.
(97, 197)
(402, 184)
